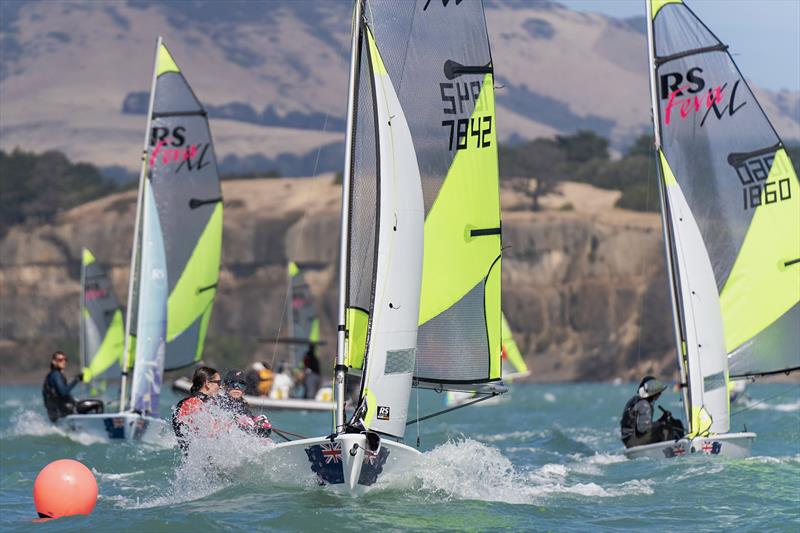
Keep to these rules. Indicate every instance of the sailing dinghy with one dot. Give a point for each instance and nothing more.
(174, 260)
(730, 207)
(419, 303)
(102, 329)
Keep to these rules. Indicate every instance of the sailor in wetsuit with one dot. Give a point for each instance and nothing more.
(56, 392)
(205, 385)
(637, 426)
(232, 401)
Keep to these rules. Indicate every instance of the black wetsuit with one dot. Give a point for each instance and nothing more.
(312, 374)
(57, 395)
(637, 426)
(242, 415)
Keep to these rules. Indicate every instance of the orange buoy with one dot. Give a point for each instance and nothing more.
(63, 488)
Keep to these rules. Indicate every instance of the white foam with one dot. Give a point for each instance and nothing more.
(780, 407)
(468, 469)
(31, 423)
(549, 397)
(215, 458)
(513, 436)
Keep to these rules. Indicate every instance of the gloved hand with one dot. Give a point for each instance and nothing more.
(666, 416)
(262, 426)
(79, 377)
(245, 422)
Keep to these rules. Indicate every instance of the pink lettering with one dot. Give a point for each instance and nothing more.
(172, 155)
(691, 103)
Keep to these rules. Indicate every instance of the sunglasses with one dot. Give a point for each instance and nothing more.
(215, 381)
(61, 359)
(238, 385)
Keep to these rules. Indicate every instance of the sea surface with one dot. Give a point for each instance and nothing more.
(542, 458)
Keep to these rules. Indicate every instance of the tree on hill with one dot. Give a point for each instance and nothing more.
(36, 187)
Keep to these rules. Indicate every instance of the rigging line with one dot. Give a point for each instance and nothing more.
(641, 269)
(280, 324)
(319, 150)
(788, 389)
(419, 426)
(480, 399)
(283, 431)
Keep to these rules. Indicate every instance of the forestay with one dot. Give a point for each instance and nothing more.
(102, 328)
(183, 173)
(731, 209)
(437, 56)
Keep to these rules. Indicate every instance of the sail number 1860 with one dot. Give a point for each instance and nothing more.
(756, 190)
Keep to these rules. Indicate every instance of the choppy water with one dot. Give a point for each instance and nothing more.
(546, 457)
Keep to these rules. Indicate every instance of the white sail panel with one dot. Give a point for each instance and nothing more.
(151, 330)
(706, 359)
(391, 346)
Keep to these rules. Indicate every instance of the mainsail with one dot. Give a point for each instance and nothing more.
(183, 173)
(102, 328)
(177, 236)
(731, 207)
(437, 56)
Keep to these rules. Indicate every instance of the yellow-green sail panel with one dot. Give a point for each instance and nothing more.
(511, 349)
(764, 284)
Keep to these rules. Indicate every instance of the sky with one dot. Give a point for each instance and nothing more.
(763, 35)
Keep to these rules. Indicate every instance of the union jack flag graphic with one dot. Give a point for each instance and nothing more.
(119, 422)
(673, 451)
(332, 452)
(712, 448)
(326, 462)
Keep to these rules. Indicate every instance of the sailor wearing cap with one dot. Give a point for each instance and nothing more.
(637, 426)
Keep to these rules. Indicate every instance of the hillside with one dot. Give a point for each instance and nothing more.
(583, 286)
(74, 77)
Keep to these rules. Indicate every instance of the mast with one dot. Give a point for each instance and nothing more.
(665, 221)
(136, 226)
(340, 369)
(81, 319)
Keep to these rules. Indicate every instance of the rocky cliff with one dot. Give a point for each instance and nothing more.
(583, 283)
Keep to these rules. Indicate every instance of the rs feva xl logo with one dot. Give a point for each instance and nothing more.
(688, 93)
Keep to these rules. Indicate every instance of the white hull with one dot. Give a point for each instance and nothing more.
(263, 405)
(120, 426)
(730, 445)
(341, 463)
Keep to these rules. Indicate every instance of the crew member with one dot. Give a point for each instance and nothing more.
(232, 400)
(312, 375)
(185, 414)
(56, 392)
(637, 426)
